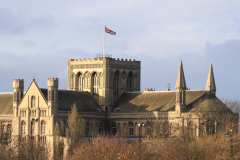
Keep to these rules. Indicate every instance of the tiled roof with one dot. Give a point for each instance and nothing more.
(66, 98)
(154, 101)
(208, 103)
(6, 103)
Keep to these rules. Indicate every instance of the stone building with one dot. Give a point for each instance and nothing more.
(107, 95)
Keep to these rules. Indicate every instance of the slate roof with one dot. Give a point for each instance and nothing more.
(6, 103)
(84, 100)
(164, 101)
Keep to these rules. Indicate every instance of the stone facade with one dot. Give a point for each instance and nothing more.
(107, 95)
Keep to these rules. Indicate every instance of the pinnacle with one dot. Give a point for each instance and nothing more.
(181, 83)
(210, 86)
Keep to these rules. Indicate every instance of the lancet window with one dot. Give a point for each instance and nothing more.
(80, 82)
(43, 127)
(33, 127)
(87, 127)
(114, 128)
(149, 129)
(115, 83)
(33, 100)
(130, 126)
(9, 130)
(23, 127)
(129, 82)
(96, 83)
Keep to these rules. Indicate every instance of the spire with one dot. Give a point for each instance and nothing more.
(180, 84)
(211, 81)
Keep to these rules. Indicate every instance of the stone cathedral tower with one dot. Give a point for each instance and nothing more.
(105, 78)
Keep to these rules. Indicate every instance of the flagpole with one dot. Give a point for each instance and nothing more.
(104, 42)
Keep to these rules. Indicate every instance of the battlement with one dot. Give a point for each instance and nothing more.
(99, 58)
(126, 60)
(84, 59)
(52, 79)
(53, 82)
(18, 82)
(149, 89)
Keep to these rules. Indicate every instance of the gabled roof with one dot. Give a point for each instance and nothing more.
(154, 101)
(66, 98)
(208, 103)
(6, 103)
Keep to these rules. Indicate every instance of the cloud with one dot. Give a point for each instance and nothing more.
(36, 37)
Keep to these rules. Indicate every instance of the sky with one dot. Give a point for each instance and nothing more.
(38, 37)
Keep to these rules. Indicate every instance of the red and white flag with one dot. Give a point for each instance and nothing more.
(107, 30)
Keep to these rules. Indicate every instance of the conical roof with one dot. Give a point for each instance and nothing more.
(181, 83)
(211, 81)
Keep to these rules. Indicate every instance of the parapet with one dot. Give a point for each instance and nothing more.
(84, 59)
(149, 89)
(18, 82)
(53, 82)
(52, 79)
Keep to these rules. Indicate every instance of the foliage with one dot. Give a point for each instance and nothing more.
(75, 130)
(112, 148)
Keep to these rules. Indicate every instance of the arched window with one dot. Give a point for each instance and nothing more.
(72, 81)
(101, 126)
(9, 130)
(23, 127)
(86, 79)
(80, 82)
(87, 127)
(95, 83)
(43, 127)
(129, 82)
(33, 102)
(115, 83)
(210, 127)
(149, 129)
(114, 128)
(191, 128)
(130, 126)
(33, 127)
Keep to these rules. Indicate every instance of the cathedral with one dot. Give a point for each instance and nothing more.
(107, 95)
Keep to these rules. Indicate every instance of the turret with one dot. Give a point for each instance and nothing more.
(210, 86)
(53, 94)
(180, 91)
(18, 87)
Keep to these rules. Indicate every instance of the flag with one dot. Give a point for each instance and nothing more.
(107, 30)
